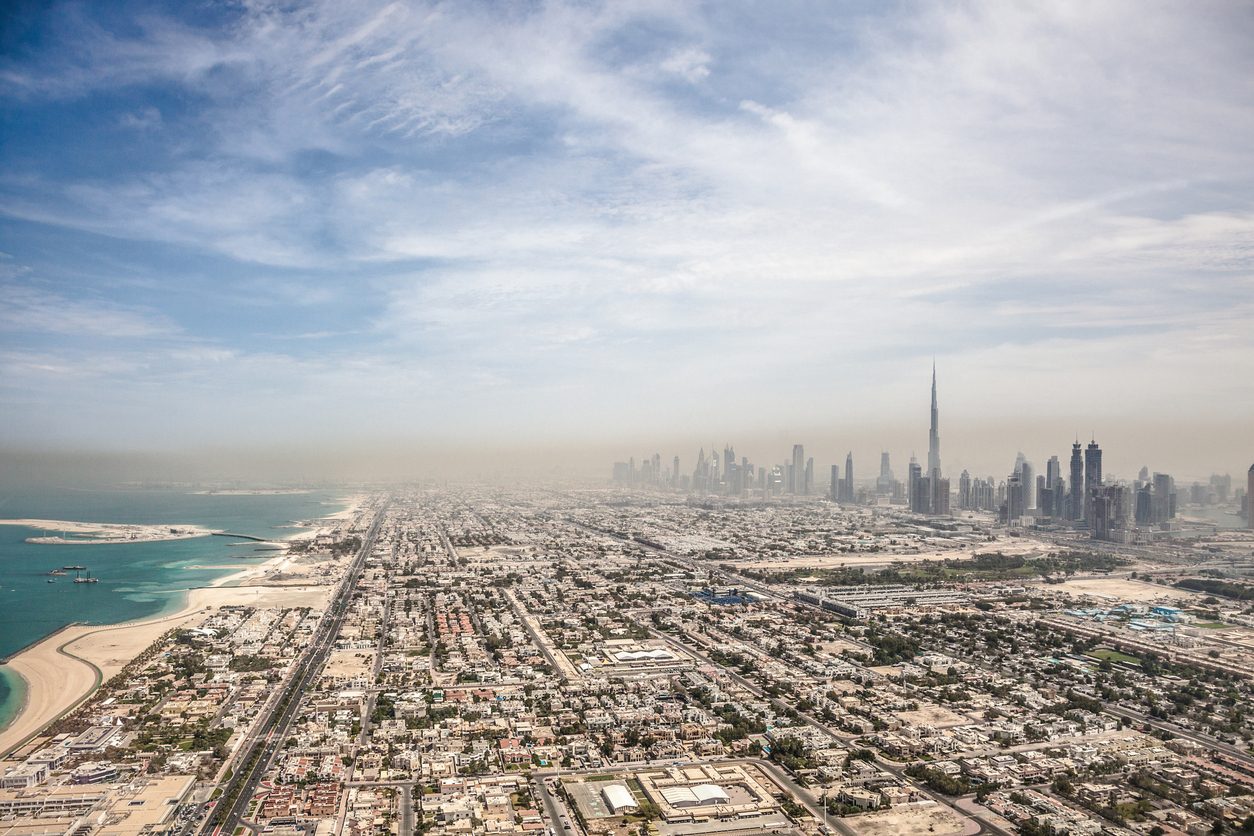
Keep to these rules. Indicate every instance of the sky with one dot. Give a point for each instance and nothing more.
(620, 227)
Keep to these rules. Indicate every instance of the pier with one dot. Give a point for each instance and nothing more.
(241, 536)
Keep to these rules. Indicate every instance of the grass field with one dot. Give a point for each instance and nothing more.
(1114, 656)
(1213, 625)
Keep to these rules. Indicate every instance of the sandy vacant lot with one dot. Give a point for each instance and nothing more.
(348, 664)
(1121, 589)
(932, 715)
(929, 820)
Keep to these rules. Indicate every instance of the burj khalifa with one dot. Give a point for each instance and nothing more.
(933, 437)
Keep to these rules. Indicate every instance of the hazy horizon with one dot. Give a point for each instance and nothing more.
(984, 450)
(325, 241)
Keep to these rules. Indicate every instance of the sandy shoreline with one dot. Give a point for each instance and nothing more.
(65, 668)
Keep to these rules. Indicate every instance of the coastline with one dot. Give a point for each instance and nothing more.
(60, 671)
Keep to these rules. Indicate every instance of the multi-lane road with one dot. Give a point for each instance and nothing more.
(268, 735)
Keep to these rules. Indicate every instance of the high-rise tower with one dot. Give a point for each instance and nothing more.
(798, 469)
(1092, 476)
(1076, 511)
(1249, 499)
(849, 476)
(933, 436)
(884, 484)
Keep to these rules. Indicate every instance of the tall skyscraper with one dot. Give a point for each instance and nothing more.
(940, 496)
(1016, 498)
(1092, 475)
(835, 492)
(964, 491)
(1249, 499)
(1053, 472)
(798, 469)
(1109, 512)
(933, 436)
(913, 474)
(884, 484)
(1076, 511)
(849, 476)
(921, 498)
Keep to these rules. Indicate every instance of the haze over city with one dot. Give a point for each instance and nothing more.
(354, 240)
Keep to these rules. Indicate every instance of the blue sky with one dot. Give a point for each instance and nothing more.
(252, 223)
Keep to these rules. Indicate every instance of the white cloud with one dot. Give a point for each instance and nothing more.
(533, 197)
(26, 309)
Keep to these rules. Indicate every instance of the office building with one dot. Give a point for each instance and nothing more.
(1092, 476)
(921, 495)
(1249, 499)
(914, 474)
(940, 496)
(797, 471)
(1108, 520)
(848, 497)
(1028, 479)
(1075, 511)
(1016, 498)
(884, 484)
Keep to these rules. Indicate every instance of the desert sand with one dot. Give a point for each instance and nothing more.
(926, 820)
(1123, 589)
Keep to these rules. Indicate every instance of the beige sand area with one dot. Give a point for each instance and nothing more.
(66, 667)
(930, 714)
(1121, 589)
(927, 819)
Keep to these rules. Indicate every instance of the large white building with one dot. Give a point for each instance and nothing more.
(619, 799)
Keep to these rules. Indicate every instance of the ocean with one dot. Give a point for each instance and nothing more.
(137, 580)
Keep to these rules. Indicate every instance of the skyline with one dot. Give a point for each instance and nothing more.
(788, 478)
(312, 231)
(401, 460)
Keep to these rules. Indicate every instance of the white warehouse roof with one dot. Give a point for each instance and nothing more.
(638, 655)
(619, 798)
(698, 796)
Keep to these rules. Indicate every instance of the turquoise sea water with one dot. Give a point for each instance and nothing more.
(137, 580)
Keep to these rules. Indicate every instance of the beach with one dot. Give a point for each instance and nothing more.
(66, 667)
(63, 669)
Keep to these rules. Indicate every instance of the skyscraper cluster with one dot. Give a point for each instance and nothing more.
(1025, 498)
(714, 475)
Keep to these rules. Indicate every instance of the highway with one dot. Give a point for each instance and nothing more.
(254, 756)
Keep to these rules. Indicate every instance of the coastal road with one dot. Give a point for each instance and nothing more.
(254, 757)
